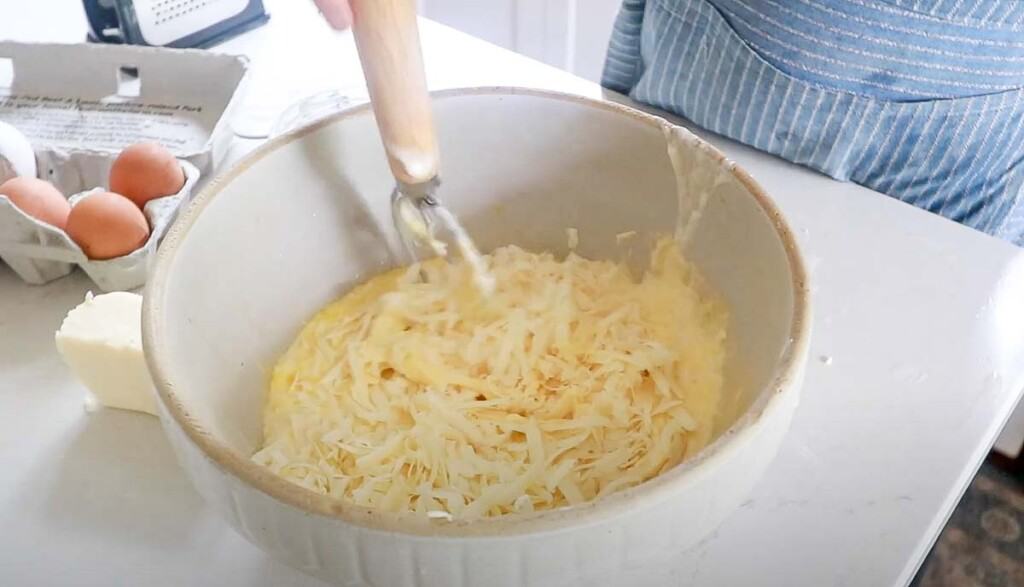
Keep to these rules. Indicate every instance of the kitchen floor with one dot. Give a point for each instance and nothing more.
(983, 543)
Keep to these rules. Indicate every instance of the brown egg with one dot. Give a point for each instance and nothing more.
(107, 225)
(145, 171)
(39, 199)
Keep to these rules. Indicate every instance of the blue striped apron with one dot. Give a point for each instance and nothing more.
(919, 99)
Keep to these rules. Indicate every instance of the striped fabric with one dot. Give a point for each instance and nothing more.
(919, 99)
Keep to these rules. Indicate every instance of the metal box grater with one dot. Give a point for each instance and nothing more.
(171, 23)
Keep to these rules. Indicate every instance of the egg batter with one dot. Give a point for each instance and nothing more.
(572, 380)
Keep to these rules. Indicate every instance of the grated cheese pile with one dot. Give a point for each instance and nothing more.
(570, 381)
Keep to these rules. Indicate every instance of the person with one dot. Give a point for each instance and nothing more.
(922, 100)
(337, 13)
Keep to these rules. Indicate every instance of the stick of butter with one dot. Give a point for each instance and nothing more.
(101, 341)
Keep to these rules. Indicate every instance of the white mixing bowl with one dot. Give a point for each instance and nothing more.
(306, 216)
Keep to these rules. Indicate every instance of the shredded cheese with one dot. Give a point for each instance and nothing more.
(570, 381)
(624, 236)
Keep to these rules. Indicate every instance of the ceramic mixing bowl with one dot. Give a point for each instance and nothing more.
(306, 216)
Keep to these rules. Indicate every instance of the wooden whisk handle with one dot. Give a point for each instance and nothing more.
(388, 42)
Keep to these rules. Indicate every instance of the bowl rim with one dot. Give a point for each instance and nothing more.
(787, 374)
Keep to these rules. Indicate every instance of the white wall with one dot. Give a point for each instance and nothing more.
(594, 20)
(569, 34)
(488, 19)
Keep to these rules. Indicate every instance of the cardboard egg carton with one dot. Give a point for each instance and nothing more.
(40, 253)
(80, 105)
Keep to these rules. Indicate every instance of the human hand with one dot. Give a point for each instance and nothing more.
(337, 13)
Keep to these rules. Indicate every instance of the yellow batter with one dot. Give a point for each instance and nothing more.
(570, 381)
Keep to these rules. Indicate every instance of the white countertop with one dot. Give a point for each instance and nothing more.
(922, 319)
